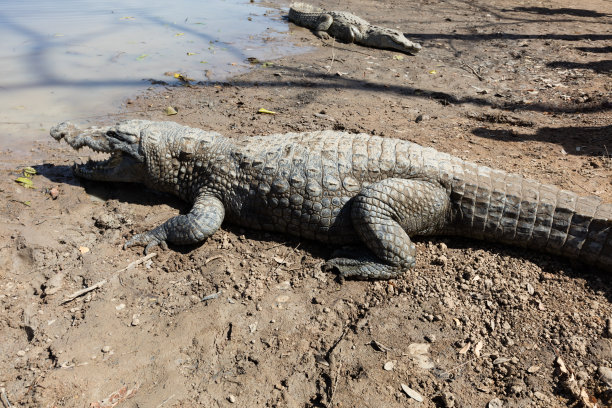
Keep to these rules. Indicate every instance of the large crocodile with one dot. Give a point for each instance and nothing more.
(341, 189)
(347, 27)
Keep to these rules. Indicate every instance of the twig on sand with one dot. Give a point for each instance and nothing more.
(137, 262)
(213, 296)
(103, 281)
(333, 56)
(83, 291)
(5, 400)
(480, 78)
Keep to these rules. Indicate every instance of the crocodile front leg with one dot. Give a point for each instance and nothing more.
(200, 223)
(384, 215)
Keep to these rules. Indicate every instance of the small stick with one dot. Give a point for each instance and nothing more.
(81, 292)
(166, 400)
(333, 56)
(473, 71)
(137, 262)
(213, 296)
(285, 258)
(5, 400)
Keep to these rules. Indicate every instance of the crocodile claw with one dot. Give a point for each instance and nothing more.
(147, 239)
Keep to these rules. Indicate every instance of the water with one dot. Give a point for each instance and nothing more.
(75, 59)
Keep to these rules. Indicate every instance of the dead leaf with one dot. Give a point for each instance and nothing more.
(280, 260)
(465, 348)
(182, 78)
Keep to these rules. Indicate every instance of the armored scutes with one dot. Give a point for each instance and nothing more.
(347, 27)
(342, 189)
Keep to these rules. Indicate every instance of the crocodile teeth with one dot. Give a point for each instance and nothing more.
(98, 166)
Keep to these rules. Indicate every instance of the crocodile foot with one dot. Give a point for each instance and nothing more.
(149, 240)
(360, 263)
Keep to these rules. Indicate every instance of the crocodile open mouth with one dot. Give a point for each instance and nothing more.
(124, 161)
(93, 167)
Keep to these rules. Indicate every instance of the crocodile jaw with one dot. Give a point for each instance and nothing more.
(126, 163)
(402, 44)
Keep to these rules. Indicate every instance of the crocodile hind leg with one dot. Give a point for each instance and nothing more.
(202, 221)
(323, 23)
(385, 214)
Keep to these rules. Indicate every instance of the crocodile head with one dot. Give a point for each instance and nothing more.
(393, 40)
(122, 142)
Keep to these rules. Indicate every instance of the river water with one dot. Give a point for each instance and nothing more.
(79, 59)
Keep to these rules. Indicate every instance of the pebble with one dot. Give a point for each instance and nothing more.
(441, 260)
(135, 320)
(106, 349)
(231, 398)
(54, 193)
(448, 400)
(412, 393)
(389, 366)
(54, 284)
(609, 327)
(495, 403)
(539, 395)
(120, 306)
(606, 375)
(21, 353)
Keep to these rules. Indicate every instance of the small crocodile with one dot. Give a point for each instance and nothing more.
(347, 27)
(343, 189)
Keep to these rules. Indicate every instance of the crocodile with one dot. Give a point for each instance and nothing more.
(365, 194)
(347, 27)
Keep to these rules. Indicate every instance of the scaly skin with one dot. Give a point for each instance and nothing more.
(349, 28)
(341, 189)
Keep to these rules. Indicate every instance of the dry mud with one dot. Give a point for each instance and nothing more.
(524, 87)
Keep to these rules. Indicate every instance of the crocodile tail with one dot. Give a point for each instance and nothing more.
(505, 207)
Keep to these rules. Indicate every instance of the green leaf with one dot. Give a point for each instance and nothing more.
(269, 112)
(170, 111)
(29, 171)
(25, 182)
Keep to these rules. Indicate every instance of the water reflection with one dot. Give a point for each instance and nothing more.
(78, 58)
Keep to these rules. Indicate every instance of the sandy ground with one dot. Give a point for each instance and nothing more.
(523, 87)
